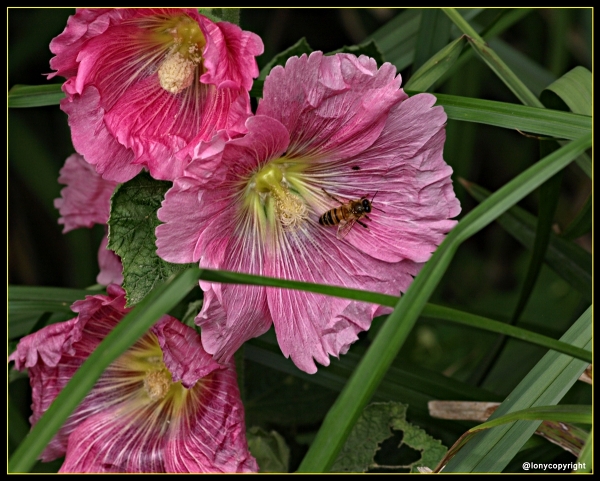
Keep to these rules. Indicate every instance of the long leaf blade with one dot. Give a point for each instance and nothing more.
(545, 384)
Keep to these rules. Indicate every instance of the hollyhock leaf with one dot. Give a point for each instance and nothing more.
(299, 48)
(131, 235)
(378, 423)
(231, 15)
(370, 49)
(270, 450)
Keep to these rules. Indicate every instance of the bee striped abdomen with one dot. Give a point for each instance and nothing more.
(331, 217)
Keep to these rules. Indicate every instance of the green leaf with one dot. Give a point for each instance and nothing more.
(131, 235)
(132, 327)
(299, 48)
(434, 68)
(494, 61)
(562, 413)
(565, 413)
(468, 319)
(552, 123)
(35, 95)
(270, 450)
(397, 38)
(370, 49)
(585, 457)
(277, 395)
(222, 14)
(391, 337)
(413, 384)
(574, 89)
(433, 35)
(229, 277)
(546, 384)
(582, 224)
(567, 259)
(374, 426)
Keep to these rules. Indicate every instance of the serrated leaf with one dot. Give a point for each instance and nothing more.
(299, 48)
(370, 49)
(374, 426)
(131, 235)
(231, 15)
(270, 450)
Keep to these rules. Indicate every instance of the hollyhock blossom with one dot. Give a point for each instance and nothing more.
(85, 201)
(329, 130)
(143, 84)
(162, 406)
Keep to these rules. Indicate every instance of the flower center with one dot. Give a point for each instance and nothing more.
(177, 71)
(157, 384)
(272, 186)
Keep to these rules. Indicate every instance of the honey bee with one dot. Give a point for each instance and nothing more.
(347, 214)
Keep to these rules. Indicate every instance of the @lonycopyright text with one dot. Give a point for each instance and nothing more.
(553, 466)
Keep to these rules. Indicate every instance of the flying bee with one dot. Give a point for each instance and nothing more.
(347, 214)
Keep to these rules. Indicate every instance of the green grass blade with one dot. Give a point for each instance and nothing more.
(397, 38)
(35, 95)
(551, 123)
(468, 319)
(58, 294)
(585, 456)
(568, 413)
(434, 68)
(229, 277)
(357, 392)
(544, 385)
(574, 88)
(566, 258)
(549, 194)
(582, 223)
(131, 328)
(433, 35)
(494, 61)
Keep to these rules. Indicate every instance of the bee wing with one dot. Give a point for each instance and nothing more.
(345, 227)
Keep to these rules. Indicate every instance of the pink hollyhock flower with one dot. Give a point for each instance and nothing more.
(163, 406)
(143, 84)
(328, 131)
(85, 202)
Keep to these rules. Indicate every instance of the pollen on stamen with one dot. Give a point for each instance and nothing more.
(291, 210)
(157, 384)
(176, 73)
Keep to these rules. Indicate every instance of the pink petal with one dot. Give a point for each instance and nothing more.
(120, 117)
(333, 106)
(229, 54)
(111, 267)
(92, 139)
(312, 326)
(86, 199)
(182, 351)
